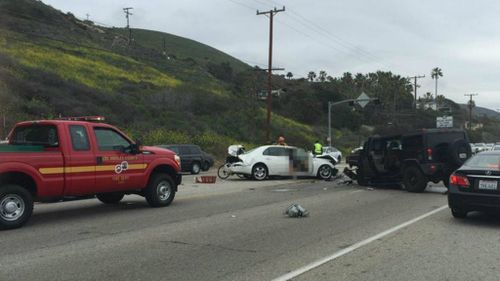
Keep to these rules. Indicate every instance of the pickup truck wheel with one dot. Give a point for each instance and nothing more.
(110, 198)
(16, 206)
(160, 191)
(324, 172)
(414, 180)
(195, 168)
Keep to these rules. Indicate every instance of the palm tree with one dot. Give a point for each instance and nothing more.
(322, 76)
(311, 75)
(289, 75)
(435, 74)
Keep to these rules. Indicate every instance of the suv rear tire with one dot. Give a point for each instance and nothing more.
(459, 148)
(414, 180)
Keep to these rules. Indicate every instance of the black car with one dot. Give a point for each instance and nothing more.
(412, 159)
(193, 159)
(475, 186)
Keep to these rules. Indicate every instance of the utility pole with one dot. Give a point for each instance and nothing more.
(470, 108)
(271, 14)
(416, 86)
(88, 16)
(127, 15)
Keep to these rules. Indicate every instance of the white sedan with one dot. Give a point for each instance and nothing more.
(276, 160)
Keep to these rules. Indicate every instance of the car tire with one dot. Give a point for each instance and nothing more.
(259, 172)
(324, 172)
(414, 180)
(206, 166)
(360, 178)
(458, 213)
(160, 191)
(110, 198)
(195, 168)
(16, 206)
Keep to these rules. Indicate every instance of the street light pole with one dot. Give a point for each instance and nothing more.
(330, 104)
(329, 123)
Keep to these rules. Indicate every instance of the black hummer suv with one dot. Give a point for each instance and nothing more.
(412, 159)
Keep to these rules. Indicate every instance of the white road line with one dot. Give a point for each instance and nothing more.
(353, 247)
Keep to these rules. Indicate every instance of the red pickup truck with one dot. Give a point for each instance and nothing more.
(55, 159)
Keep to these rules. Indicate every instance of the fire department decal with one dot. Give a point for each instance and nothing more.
(122, 167)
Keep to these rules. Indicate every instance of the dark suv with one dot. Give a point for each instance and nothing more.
(193, 159)
(413, 159)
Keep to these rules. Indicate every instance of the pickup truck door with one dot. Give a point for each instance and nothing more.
(116, 169)
(80, 163)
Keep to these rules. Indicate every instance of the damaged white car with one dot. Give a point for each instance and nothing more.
(275, 160)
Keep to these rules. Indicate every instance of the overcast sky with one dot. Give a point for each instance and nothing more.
(406, 37)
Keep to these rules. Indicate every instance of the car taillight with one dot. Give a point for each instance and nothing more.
(459, 180)
(429, 153)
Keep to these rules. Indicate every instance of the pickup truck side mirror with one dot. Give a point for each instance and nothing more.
(135, 148)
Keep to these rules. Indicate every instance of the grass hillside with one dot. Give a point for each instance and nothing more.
(182, 91)
(52, 64)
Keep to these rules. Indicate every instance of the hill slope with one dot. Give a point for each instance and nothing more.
(53, 64)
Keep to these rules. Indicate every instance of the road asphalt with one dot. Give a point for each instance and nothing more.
(236, 230)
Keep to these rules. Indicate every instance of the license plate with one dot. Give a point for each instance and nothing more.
(462, 155)
(487, 185)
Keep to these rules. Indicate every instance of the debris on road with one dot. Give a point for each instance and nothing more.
(205, 179)
(369, 188)
(296, 211)
(342, 179)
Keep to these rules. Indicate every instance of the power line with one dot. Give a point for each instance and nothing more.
(271, 14)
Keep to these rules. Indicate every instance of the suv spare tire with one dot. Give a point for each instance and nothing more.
(414, 180)
(459, 151)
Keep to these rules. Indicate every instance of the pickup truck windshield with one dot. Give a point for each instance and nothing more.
(45, 135)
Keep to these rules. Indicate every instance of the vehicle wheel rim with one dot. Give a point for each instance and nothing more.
(412, 179)
(325, 172)
(11, 207)
(196, 168)
(164, 190)
(260, 173)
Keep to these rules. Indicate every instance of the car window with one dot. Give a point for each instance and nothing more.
(173, 148)
(484, 161)
(109, 140)
(79, 138)
(277, 151)
(448, 137)
(45, 135)
(184, 150)
(194, 149)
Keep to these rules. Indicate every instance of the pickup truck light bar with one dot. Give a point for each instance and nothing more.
(84, 118)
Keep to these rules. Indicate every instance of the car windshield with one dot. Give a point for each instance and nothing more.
(484, 161)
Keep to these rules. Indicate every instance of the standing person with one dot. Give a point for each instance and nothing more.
(318, 148)
(281, 140)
